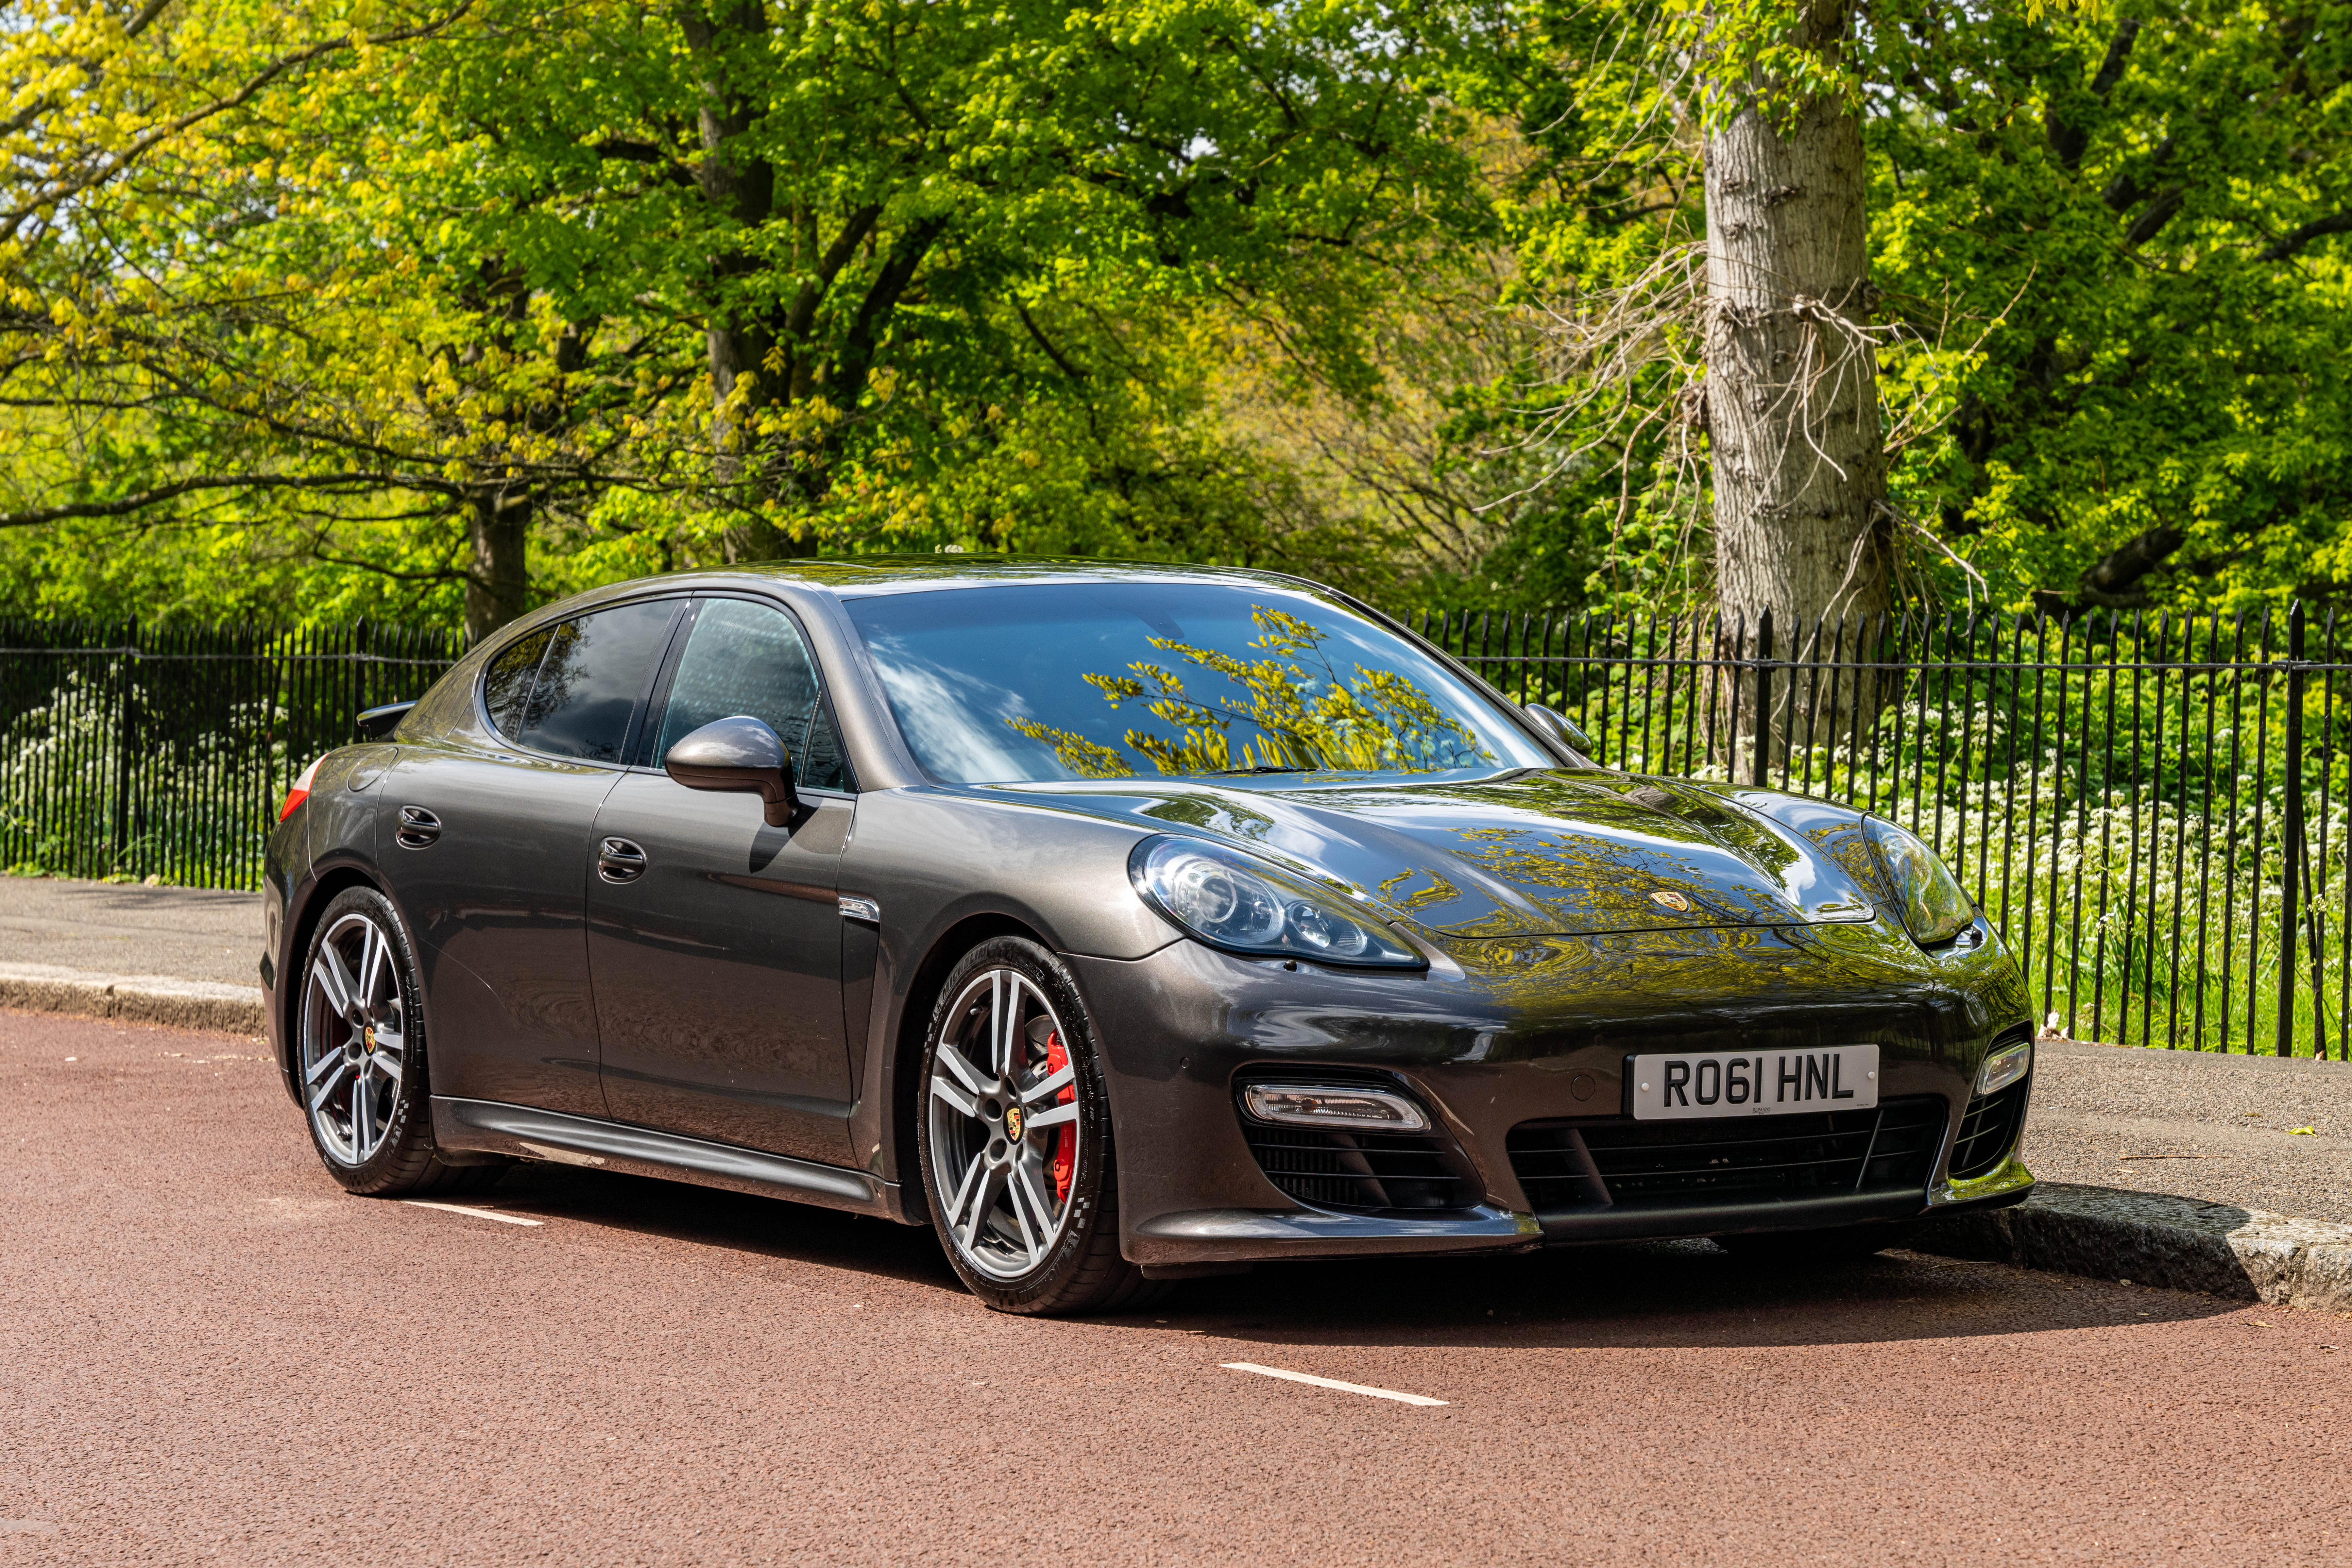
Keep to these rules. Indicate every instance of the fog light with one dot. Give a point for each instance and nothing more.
(1317, 1105)
(2004, 1067)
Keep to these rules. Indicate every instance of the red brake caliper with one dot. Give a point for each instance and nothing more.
(1065, 1140)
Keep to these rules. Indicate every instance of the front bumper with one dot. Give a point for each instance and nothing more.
(1497, 1035)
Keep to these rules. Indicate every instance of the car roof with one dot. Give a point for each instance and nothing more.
(871, 577)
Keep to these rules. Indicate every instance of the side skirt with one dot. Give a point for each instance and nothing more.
(519, 1130)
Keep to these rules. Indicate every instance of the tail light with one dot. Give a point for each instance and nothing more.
(300, 793)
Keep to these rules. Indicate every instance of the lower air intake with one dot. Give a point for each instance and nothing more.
(1989, 1132)
(1622, 1163)
(1360, 1172)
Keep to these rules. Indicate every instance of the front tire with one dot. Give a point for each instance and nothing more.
(360, 1061)
(1013, 1138)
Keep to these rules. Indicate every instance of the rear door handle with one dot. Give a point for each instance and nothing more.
(618, 861)
(418, 827)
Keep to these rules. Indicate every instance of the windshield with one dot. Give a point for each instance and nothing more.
(1003, 683)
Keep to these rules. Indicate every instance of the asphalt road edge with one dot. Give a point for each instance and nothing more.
(135, 998)
(2152, 1238)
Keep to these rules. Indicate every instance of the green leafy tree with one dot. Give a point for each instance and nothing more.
(2149, 210)
(722, 282)
(2108, 270)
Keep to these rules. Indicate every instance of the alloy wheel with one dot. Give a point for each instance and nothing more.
(354, 1038)
(1004, 1123)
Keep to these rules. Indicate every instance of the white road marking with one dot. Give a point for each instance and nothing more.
(478, 1214)
(1330, 1383)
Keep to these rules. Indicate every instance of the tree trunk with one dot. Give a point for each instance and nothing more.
(1792, 387)
(1799, 463)
(743, 187)
(498, 587)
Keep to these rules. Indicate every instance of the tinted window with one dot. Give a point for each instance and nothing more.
(507, 684)
(596, 670)
(743, 657)
(1062, 680)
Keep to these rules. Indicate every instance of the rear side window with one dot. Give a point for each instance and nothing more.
(506, 687)
(749, 659)
(592, 675)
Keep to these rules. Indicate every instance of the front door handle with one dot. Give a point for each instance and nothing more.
(418, 827)
(618, 861)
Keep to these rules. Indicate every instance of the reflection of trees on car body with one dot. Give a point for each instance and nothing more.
(1295, 718)
(1066, 682)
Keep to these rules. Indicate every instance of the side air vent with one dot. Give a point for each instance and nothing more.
(1989, 1132)
(1991, 1124)
(1356, 1171)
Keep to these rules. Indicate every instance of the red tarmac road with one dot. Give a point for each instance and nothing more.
(209, 1353)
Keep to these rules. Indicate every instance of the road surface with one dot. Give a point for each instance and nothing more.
(208, 1353)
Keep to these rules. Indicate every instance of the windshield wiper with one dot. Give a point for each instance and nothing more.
(1263, 768)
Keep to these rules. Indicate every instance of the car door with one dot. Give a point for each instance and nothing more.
(490, 831)
(714, 939)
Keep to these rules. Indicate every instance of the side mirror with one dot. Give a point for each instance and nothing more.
(1551, 722)
(738, 756)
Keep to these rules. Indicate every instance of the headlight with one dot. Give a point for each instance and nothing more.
(1243, 905)
(1934, 907)
(2004, 1067)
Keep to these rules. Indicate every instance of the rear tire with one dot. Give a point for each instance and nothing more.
(1013, 1139)
(1813, 1249)
(360, 1060)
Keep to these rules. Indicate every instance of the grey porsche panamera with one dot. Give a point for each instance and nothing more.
(1121, 923)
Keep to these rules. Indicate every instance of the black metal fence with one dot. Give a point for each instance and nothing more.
(163, 753)
(2151, 808)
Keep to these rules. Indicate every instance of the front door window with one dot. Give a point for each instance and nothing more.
(749, 659)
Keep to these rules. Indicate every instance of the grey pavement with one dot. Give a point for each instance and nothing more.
(2195, 1123)
(191, 933)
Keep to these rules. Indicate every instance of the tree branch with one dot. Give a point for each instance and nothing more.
(126, 505)
(852, 234)
(2125, 190)
(66, 190)
(856, 361)
(446, 574)
(2070, 139)
(2161, 211)
(1073, 372)
(2112, 580)
(2294, 239)
(629, 152)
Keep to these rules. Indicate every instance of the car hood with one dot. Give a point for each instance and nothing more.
(1545, 853)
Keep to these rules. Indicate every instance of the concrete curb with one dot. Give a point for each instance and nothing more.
(2148, 1239)
(135, 998)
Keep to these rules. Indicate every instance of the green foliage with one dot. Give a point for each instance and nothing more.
(2110, 240)
(63, 773)
(2119, 227)
(420, 308)
(336, 295)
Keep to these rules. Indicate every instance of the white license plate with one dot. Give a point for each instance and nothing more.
(1755, 1083)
